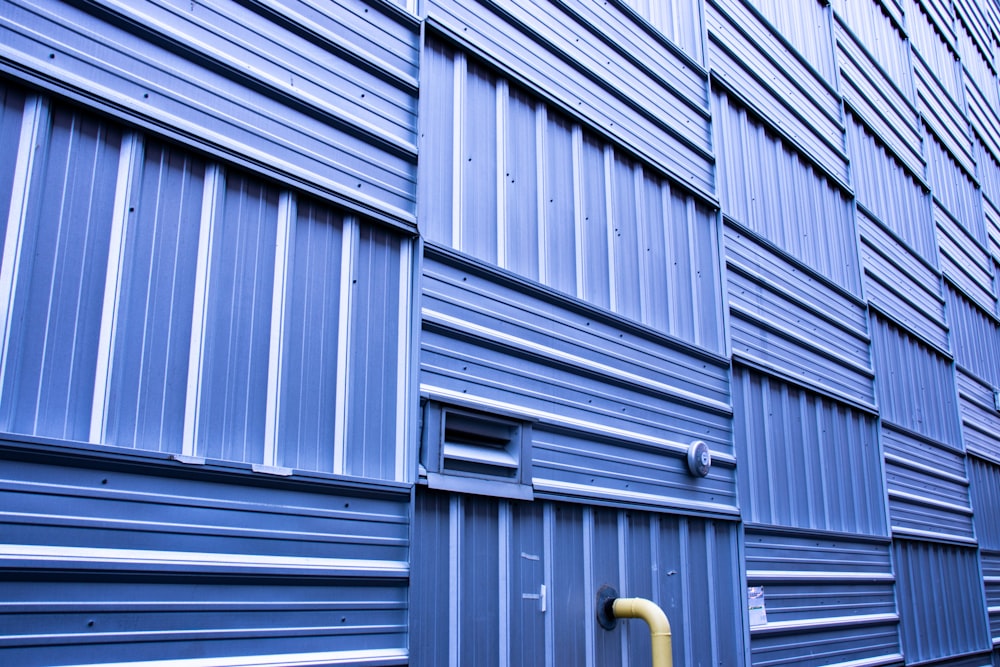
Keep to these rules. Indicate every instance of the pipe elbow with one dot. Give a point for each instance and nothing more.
(646, 610)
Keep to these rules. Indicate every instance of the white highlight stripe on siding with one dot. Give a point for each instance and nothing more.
(348, 266)
(131, 154)
(214, 184)
(403, 356)
(34, 117)
(354, 657)
(282, 263)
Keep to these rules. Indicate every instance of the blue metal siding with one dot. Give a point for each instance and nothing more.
(964, 261)
(828, 599)
(913, 383)
(553, 201)
(793, 97)
(953, 188)
(985, 479)
(549, 559)
(805, 461)
(614, 406)
(975, 337)
(55, 320)
(806, 26)
(156, 302)
(767, 186)
(927, 487)
(980, 419)
(876, 26)
(139, 558)
(680, 21)
(940, 600)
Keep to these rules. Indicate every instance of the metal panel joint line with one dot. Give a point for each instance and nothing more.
(610, 608)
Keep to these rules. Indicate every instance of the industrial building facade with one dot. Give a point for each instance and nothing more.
(340, 332)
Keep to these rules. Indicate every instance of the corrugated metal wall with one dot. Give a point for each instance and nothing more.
(770, 227)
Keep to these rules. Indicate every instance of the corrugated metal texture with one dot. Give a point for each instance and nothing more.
(132, 558)
(767, 186)
(613, 406)
(991, 583)
(796, 101)
(680, 21)
(914, 383)
(311, 94)
(56, 256)
(162, 302)
(964, 260)
(805, 460)
(940, 599)
(974, 18)
(980, 418)
(655, 108)
(828, 599)
(507, 583)
(534, 192)
(984, 121)
(788, 320)
(927, 487)
(977, 66)
(876, 27)
(984, 476)
(988, 172)
(901, 284)
(936, 13)
(992, 217)
(953, 188)
(12, 102)
(806, 26)
(886, 190)
(975, 337)
(871, 95)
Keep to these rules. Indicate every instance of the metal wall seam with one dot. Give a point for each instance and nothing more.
(878, 34)
(980, 419)
(640, 128)
(678, 21)
(964, 260)
(367, 141)
(939, 15)
(978, 71)
(975, 337)
(798, 103)
(954, 188)
(972, 18)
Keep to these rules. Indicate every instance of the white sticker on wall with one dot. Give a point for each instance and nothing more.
(755, 603)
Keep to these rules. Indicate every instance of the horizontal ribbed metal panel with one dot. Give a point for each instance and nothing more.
(655, 108)
(500, 583)
(978, 71)
(945, 119)
(677, 20)
(320, 96)
(792, 96)
(937, 16)
(914, 386)
(872, 96)
(614, 406)
(991, 582)
(805, 461)
(875, 26)
(558, 204)
(828, 599)
(953, 188)
(985, 126)
(975, 337)
(778, 309)
(991, 213)
(984, 476)
(161, 302)
(885, 188)
(964, 260)
(974, 19)
(940, 599)
(806, 27)
(988, 171)
(901, 284)
(108, 559)
(980, 419)
(927, 487)
(767, 186)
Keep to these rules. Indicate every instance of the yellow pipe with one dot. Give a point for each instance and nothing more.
(659, 626)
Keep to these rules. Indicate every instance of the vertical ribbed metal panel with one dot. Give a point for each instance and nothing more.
(878, 30)
(984, 476)
(153, 327)
(927, 487)
(977, 66)
(315, 94)
(975, 337)
(892, 195)
(536, 193)
(796, 101)
(828, 599)
(954, 189)
(680, 21)
(914, 383)
(613, 406)
(12, 102)
(58, 276)
(654, 108)
(237, 329)
(491, 573)
(806, 26)
(940, 600)
(964, 260)
(988, 172)
(974, 17)
(766, 185)
(120, 559)
(805, 461)
(980, 418)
